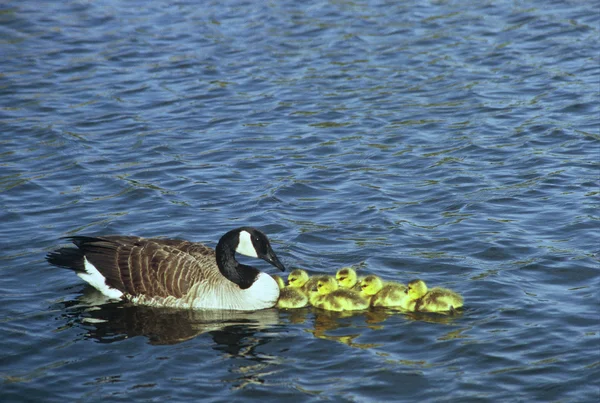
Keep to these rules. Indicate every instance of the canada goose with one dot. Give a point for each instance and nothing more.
(175, 273)
(347, 278)
(290, 297)
(435, 300)
(388, 294)
(329, 297)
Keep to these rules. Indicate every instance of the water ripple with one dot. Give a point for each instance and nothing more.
(410, 140)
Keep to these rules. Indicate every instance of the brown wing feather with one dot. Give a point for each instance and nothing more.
(152, 267)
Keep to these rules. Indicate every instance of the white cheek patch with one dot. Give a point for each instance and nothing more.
(245, 246)
(98, 281)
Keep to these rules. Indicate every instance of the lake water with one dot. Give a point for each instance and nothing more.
(457, 142)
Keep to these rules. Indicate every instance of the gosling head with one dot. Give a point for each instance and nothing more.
(371, 285)
(416, 289)
(346, 277)
(326, 285)
(297, 278)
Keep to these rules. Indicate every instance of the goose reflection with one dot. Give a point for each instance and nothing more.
(237, 335)
(110, 322)
(107, 322)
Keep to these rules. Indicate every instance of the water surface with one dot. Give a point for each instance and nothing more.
(452, 142)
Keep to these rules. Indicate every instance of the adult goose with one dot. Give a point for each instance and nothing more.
(175, 273)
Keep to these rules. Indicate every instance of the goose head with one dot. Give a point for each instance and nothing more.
(246, 241)
(251, 242)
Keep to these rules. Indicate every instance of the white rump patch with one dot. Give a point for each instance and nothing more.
(245, 246)
(98, 281)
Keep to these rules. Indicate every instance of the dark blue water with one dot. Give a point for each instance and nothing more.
(454, 142)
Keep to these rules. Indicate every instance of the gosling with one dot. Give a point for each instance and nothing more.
(347, 278)
(435, 300)
(329, 297)
(389, 295)
(290, 297)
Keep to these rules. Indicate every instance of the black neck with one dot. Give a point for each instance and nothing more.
(241, 274)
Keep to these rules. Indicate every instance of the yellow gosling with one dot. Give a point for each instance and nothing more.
(300, 279)
(279, 281)
(329, 297)
(435, 300)
(346, 278)
(290, 297)
(391, 295)
(312, 288)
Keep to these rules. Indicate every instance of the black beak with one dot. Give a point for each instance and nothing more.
(272, 258)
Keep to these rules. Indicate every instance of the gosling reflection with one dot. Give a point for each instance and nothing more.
(328, 322)
(438, 317)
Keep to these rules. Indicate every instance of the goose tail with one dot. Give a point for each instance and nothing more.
(77, 259)
(67, 258)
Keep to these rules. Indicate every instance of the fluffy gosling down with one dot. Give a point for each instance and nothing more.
(435, 300)
(329, 297)
(390, 295)
(347, 278)
(299, 279)
(290, 297)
